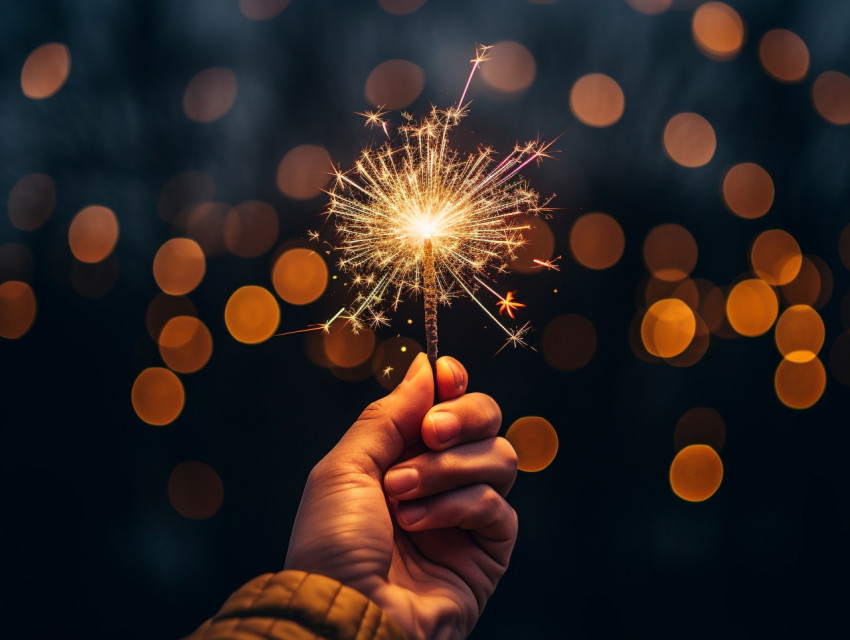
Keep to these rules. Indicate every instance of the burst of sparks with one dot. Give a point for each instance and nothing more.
(399, 195)
(508, 304)
(548, 264)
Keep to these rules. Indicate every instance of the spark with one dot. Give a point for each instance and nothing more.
(387, 371)
(416, 215)
(509, 304)
(516, 338)
(548, 264)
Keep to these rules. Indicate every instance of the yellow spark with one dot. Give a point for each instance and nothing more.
(468, 208)
(548, 264)
(387, 371)
(509, 304)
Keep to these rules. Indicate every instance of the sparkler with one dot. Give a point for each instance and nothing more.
(422, 216)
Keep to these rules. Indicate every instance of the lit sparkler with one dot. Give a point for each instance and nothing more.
(422, 216)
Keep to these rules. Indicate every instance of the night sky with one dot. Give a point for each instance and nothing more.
(107, 533)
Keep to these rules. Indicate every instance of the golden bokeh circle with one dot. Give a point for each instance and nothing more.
(185, 344)
(718, 31)
(831, 97)
(250, 228)
(700, 425)
(157, 396)
(668, 327)
(210, 94)
(689, 140)
(799, 385)
(31, 201)
(784, 55)
(597, 100)
(535, 441)
(394, 84)
(195, 490)
(696, 473)
(670, 252)
(93, 234)
(346, 349)
(45, 70)
(800, 333)
(776, 257)
(510, 67)
(304, 171)
(597, 241)
(251, 315)
(748, 190)
(17, 309)
(300, 276)
(179, 266)
(751, 307)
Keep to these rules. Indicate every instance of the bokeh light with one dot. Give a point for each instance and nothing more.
(650, 7)
(751, 307)
(250, 229)
(685, 290)
(179, 266)
(812, 284)
(696, 349)
(347, 349)
(597, 241)
(670, 252)
(157, 396)
(304, 171)
(831, 96)
(262, 9)
(195, 490)
(538, 244)
(569, 342)
(16, 262)
(31, 201)
(776, 257)
(696, 473)
(668, 327)
(204, 223)
(400, 7)
(45, 70)
(252, 315)
(164, 307)
(700, 425)
(185, 344)
(535, 441)
(391, 360)
(597, 100)
(799, 385)
(689, 140)
(394, 84)
(712, 307)
(300, 276)
(93, 234)
(17, 309)
(799, 333)
(748, 190)
(718, 31)
(510, 67)
(210, 94)
(784, 55)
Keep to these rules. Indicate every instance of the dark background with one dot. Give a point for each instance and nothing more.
(91, 545)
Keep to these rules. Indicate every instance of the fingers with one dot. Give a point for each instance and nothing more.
(478, 508)
(451, 378)
(492, 461)
(471, 417)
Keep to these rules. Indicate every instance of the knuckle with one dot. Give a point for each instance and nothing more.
(506, 452)
(487, 407)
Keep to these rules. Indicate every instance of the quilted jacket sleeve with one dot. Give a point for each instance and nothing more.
(294, 605)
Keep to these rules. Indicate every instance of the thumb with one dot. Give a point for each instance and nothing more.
(390, 425)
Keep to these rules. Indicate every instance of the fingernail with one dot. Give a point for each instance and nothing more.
(445, 424)
(402, 480)
(415, 366)
(457, 372)
(411, 513)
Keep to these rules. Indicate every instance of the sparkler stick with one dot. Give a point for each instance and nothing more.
(421, 216)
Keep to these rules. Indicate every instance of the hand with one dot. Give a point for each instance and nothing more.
(408, 508)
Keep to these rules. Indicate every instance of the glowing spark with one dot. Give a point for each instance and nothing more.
(548, 264)
(516, 337)
(387, 372)
(508, 304)
(415, 215)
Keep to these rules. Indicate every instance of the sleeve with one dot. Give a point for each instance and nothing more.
(294, 605)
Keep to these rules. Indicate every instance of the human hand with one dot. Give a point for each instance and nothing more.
(408, 508)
